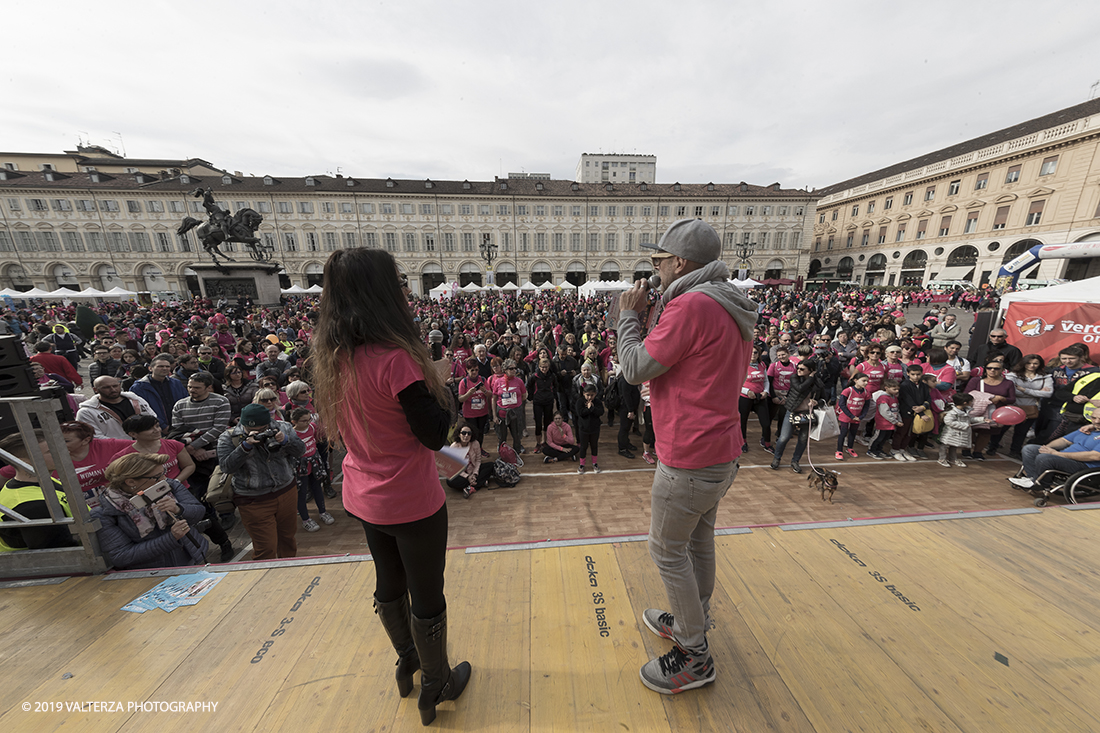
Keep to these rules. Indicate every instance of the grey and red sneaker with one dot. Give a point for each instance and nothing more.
(659, 622)
(678, 671)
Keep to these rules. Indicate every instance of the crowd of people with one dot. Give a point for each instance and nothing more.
(218, 391)
(176, 380)
(194, 403)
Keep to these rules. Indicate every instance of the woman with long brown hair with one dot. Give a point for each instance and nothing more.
(375, 383)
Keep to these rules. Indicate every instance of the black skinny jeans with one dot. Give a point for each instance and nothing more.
(589, 442)
(544, 415)
(411, 557)
(762, 408)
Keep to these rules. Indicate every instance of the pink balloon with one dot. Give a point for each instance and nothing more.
(1009, 415)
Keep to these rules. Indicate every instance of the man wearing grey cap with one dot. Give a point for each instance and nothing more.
(695, 360)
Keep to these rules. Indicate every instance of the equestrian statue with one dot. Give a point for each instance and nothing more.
(222, 227)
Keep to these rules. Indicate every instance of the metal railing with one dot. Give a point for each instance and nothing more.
(83, 559)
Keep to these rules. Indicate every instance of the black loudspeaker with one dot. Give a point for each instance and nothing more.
(18, 381)
(12, 353)
(979, 334)
(64, 414)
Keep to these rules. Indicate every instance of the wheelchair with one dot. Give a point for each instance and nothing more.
(1075, 488)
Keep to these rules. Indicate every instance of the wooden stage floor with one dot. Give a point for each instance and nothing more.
(959, 624)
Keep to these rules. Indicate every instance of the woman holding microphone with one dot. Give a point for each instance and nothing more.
(375, 382)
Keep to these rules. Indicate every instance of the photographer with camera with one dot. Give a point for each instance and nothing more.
(261, 455)
(147, 519)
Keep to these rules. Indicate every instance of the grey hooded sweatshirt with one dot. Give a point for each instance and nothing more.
(711, 280)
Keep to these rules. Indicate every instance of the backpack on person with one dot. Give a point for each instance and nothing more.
(506, 474)
(613, 398)
(219, 490)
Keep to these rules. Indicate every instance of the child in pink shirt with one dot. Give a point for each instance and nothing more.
(311, 470)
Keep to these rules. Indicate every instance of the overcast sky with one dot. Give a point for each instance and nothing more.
(806, 94)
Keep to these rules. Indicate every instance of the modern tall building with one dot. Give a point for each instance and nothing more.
(99, 225)
(961, 212)
(612, 168)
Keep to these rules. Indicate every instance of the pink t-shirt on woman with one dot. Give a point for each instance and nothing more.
(170, 448)
(391, 477)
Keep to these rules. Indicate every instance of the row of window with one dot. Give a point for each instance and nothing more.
(152, 206)
(408, 209)
(48, 241)
(1048, 167)
(1000, 220)
(291, 241)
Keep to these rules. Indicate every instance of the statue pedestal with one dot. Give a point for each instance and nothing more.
(232, 280)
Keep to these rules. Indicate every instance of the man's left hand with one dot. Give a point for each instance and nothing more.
(1047, 450)
(635, 299)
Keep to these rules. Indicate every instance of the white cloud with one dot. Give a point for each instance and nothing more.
(804, 93)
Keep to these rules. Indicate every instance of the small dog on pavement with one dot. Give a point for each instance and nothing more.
(825, 481)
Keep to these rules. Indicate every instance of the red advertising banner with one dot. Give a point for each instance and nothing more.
(1047, 328)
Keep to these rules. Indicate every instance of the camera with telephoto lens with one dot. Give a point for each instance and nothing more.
(269, 439)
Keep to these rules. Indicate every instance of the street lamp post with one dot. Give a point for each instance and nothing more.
(488, 253)
(744, 259)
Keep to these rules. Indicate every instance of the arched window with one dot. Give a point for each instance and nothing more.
(469, 273)
(610, 271)
(576, 274)
(877, 263)
(844, 268)
(506, 273)
(963, 256)
(774, 270)
(540, 273)
(108, 278)
(912, 268)
(64, 277)
(915, 260)
(315, 274)
(1018, 249)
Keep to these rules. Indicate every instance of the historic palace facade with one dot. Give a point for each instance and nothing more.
(961, 212)
(93, 219)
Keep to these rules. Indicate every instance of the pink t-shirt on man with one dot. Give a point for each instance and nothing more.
(389, 477)
(694, 403)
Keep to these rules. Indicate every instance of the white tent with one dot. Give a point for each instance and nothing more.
(528, 286)
(441, 291)
(62, 294)
(603, 286)
(548, 285)
(314, 289)
(119, 292)
(566, 285)
(510, 286)
(88, 293)
(1079, 291)
(34, 293)
(746, 284)
(471, 288)
(293, 290)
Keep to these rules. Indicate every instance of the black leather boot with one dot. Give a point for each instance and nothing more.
(438, 682)
(395, 620)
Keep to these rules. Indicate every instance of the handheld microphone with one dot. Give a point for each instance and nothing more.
(654, 281)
